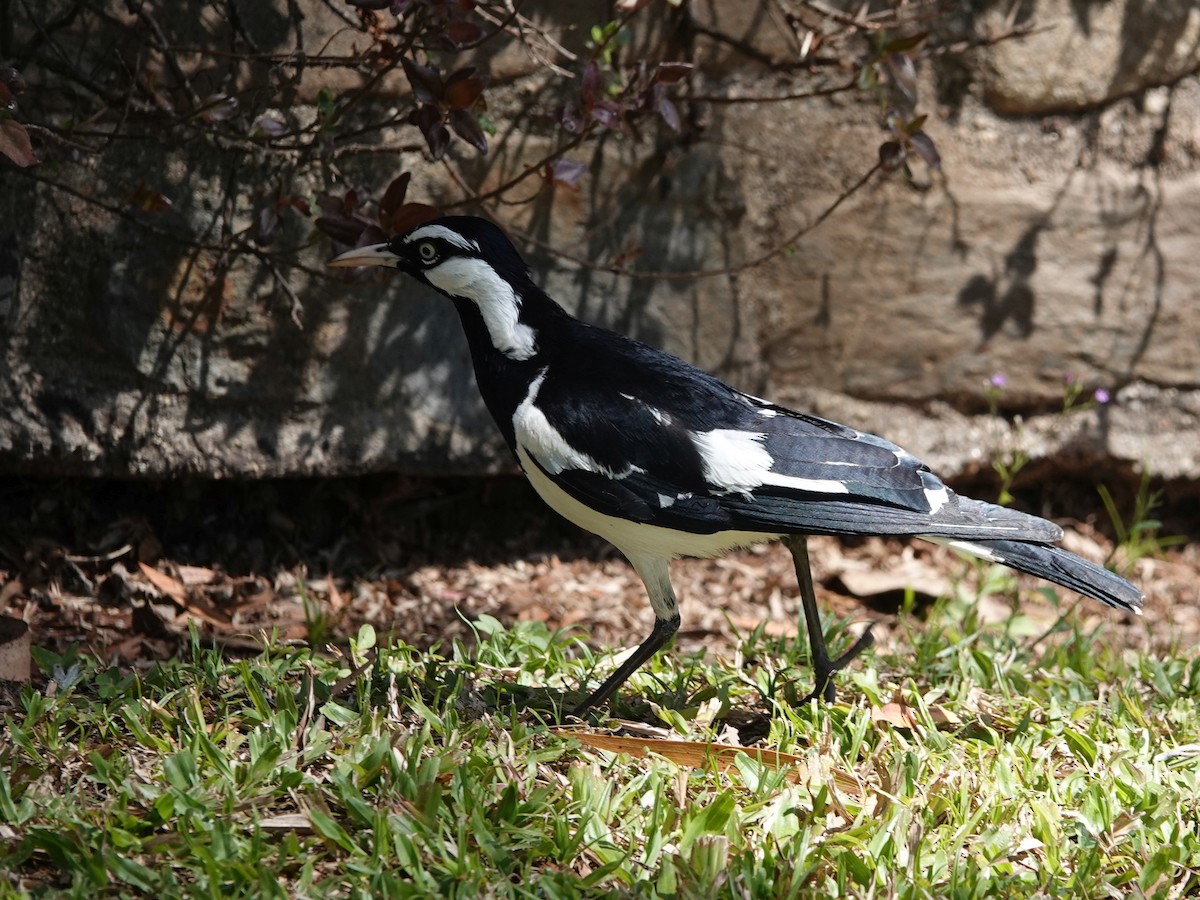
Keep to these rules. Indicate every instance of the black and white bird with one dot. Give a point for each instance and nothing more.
(665, 460)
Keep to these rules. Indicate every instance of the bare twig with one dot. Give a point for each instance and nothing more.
(779, 248)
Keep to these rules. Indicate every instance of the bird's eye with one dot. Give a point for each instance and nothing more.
(427, 251)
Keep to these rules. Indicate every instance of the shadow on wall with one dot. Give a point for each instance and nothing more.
(162, 330)
(1006, 297)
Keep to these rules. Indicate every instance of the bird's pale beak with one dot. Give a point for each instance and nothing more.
(378, 255)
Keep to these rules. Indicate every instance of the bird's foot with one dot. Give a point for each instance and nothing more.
(825, 670)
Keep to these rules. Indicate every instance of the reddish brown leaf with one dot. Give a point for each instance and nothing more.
(671, 72)
(429, 120)
(329, 204)
(907, 42)
(410, 215)
(462, 33)
(466, 126)
(15, 144)
(147, 200)
(371, 235)
(342, 229)
(300, 204)
(393, 197)
(696, 754)
(463, 88)
(164, 583)
(591, 82)
(426, 81)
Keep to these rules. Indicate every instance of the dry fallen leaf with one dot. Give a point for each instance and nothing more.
(195, 575)
(288, 822)
(164, 583)
(697, 754)
(195, 606)
(895, 714)
(901, 715)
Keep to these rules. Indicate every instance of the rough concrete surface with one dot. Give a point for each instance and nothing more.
(1057, 249)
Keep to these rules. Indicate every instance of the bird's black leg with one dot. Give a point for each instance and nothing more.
(823, 667)
(662, 632)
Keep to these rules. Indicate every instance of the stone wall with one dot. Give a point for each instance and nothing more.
(1058, 246)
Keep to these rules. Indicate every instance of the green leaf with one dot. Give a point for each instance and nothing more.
(366, 637)
(1082, 746)
(712, 820)
(328, 828)
(131, 872)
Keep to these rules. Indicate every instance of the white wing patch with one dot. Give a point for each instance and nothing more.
(546, 444)
(936, 498)
(737, 462)
(441, 231)
(500, 306)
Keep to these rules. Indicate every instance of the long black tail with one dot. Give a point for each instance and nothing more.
(1062, 567)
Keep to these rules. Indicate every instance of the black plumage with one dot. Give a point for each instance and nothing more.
(665, 459)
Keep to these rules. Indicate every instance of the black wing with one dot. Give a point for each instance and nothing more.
(654, 440)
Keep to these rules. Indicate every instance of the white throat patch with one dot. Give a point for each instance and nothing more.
(500, 306)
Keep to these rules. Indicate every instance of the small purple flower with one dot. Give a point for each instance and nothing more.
(1102, 396)
(1070, 378)
(998, 380)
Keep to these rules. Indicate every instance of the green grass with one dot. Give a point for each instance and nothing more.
(1071, 769)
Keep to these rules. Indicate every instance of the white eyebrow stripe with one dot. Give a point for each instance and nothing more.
(446, 234)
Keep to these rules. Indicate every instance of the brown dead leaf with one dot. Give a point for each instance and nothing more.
(164, 583)
(195, 606)
(192, 576)
(337, 601)
(895, 714)
(901, 715)
(696, 754)
(299, 822)
(202, 609)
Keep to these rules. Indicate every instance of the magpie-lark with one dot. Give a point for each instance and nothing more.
(665, 460)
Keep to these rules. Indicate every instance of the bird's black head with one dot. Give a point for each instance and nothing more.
(455, 254)
(471, 261)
